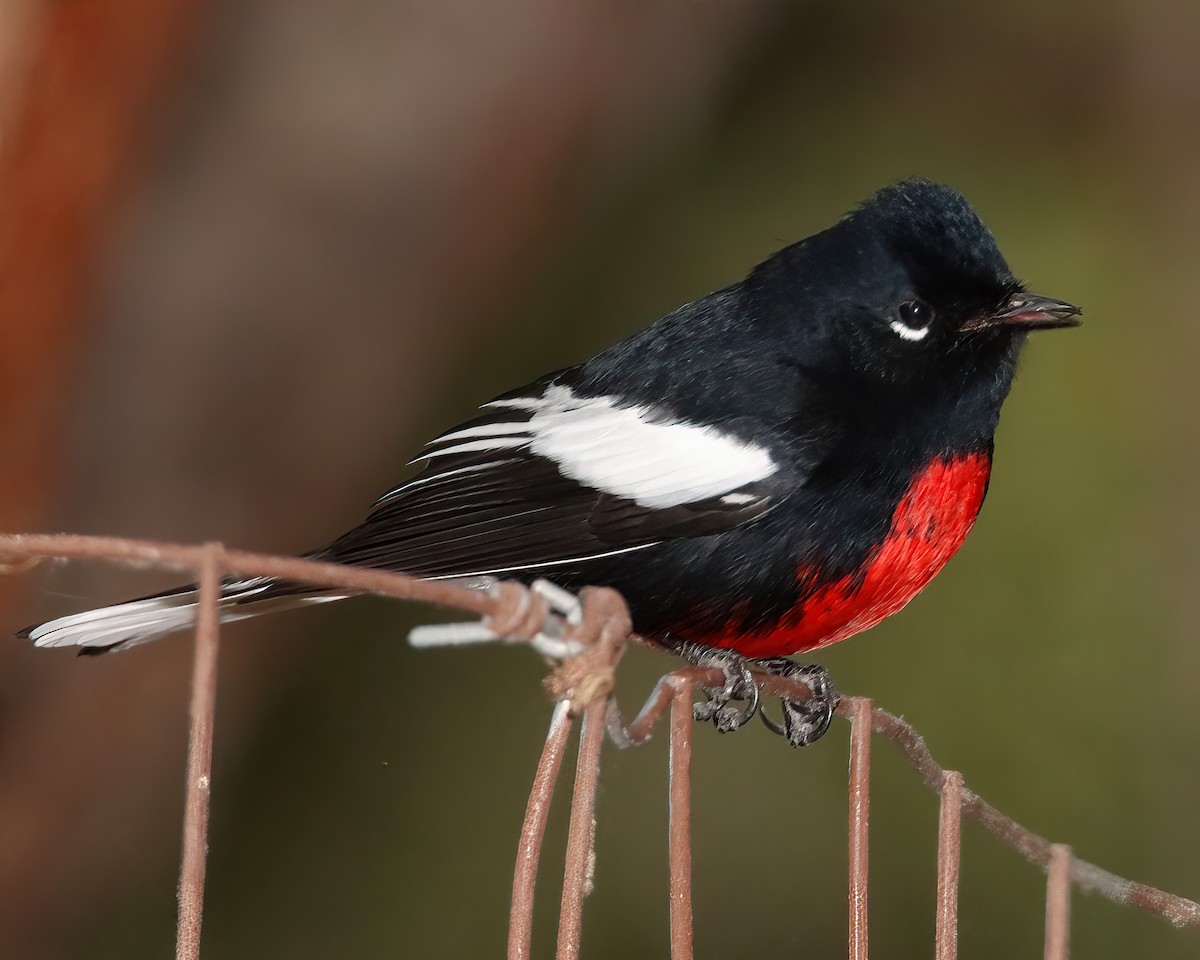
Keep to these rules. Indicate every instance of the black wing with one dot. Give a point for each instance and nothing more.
(545, 478)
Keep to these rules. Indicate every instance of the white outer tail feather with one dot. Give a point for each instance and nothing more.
(140, 621)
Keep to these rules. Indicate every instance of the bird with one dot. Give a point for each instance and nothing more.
(764, 471)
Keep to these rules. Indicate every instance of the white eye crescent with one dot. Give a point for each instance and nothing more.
(914, 318)
(909, 333)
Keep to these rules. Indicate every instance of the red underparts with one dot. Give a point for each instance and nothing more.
(929, 525)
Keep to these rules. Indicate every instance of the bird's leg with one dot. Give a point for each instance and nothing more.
(739, 685)
(804, 721)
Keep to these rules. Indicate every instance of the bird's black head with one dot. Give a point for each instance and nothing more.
(909, 287)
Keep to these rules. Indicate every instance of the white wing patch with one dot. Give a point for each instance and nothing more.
(621, 450)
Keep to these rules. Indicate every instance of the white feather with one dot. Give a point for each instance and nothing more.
(627, 451)
(539, 565)
(491, 443)
(140, 621)
(473, 468)
(484, 430)
(516, 403)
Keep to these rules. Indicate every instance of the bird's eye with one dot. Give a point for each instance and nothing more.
(913, 320)
(916, 313)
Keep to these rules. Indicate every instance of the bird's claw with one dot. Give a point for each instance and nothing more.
(722, 707)
(804, 721)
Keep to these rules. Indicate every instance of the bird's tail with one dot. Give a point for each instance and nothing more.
(139, 621)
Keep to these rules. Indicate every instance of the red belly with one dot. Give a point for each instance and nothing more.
(929, 525)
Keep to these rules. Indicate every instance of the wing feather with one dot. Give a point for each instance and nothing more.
(548, 477)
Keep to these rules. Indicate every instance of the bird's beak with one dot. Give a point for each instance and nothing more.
(1028, 311)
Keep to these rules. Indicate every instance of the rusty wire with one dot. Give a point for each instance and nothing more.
(581, 833)
(190, 558)
(1058, 902)
(199, 765)
(208, 563)
(1036, 849)
(948, 860)
(533, 828)
(861, 712)
(583, 686)
(679, 829)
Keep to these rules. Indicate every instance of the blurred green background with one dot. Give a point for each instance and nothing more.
(357, 221)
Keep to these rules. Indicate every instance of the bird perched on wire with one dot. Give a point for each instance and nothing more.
(764, 471)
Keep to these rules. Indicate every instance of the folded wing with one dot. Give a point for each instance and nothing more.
(546, 477)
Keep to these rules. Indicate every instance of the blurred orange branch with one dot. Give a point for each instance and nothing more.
(84, 81)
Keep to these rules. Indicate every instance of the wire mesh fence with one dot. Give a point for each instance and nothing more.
(581, 689)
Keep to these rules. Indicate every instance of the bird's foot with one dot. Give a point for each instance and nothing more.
(804, 721)
(731, 705)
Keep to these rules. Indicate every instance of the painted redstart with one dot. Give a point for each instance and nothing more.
(766, 470)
